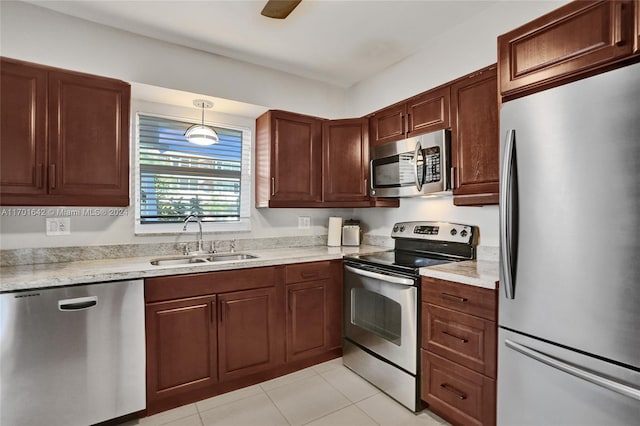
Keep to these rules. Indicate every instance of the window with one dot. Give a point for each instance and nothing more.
(176, 178)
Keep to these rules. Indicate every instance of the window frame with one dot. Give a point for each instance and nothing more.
(241, 225)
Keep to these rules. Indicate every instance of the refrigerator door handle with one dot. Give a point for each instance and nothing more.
(506, 219)
(589, 376)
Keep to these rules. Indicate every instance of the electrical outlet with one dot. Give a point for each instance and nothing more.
(304, 222)
(58, 226)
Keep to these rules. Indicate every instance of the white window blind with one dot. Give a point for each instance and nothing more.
(177, 178)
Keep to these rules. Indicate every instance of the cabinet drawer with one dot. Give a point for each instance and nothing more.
(307, 272)
(464, 298)
(456, 393)
(465, 339)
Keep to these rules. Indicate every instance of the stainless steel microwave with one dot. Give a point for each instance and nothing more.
(412, 167)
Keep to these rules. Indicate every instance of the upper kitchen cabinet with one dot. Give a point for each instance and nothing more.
(65, 137)
(304, 161)
(24, 130)
(423, 113)
(636, 5)
(345, 146)
(475, 139)
(565, 44)
(288, 159)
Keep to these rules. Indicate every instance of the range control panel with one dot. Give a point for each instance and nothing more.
(439, 231)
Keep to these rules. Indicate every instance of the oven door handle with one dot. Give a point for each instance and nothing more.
(382, 277)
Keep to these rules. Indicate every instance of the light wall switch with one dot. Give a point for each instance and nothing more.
(304, 222)
(58, 226)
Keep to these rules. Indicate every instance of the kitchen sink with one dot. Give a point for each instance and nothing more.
(200, 258)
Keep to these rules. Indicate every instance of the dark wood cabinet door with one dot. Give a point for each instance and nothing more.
(88, 140)
(388, 125)
(571, 40)
(247, 332)
(345, 145)
(23, 141)
(429, 112)
(296, 157)
(475, 140)
(307, 319)
(181, 347)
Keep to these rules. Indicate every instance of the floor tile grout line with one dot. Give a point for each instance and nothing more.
(278, 408)
(288, 383)
(328, 414)
(343, 394)
(225, 403)
(365, 413)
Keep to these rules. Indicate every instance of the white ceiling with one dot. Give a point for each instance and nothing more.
(335, 41)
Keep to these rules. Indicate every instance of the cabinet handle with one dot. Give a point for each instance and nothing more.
(408, 123)
(52, 175)
(617, 22)
(212, 317)
(453, 178)
(460, 395)
(454, 298)
(307, 274)
(273, 185)
(455, 337)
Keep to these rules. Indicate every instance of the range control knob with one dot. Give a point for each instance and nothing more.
(401, 228)
(464, 233)
(395, 228)
(453, 232)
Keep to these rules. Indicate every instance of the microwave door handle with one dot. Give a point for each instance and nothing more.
(416, 152)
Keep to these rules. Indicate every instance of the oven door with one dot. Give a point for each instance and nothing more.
(381, 314)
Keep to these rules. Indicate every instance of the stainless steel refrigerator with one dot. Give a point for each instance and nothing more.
(569, 307)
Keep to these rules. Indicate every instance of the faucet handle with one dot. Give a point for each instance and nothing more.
(213, 246)
(232, 246)
(185, 249)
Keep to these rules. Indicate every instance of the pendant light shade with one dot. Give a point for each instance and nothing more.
(200, 134)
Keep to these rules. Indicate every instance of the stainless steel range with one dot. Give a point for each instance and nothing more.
(382, 295)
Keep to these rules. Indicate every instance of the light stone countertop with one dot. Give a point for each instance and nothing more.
(43, 275)
(479, 273)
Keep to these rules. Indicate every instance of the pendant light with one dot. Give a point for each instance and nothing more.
(200, 134)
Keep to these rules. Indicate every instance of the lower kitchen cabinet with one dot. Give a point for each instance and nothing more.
(247, 332)
(459, 351)
(181, 346)
(314, 308)
(215, 332)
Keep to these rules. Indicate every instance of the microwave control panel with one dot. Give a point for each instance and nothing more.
(432, 172)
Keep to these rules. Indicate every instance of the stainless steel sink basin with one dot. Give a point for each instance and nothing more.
(178, 260)
(230, 256)
(199, 258)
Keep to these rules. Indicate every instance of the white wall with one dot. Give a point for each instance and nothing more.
(464, 48)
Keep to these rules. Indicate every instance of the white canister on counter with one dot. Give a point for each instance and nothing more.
(334, 236)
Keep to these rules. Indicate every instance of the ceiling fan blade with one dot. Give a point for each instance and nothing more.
(279, 9)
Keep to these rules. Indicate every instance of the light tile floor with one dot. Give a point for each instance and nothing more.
(326, 394)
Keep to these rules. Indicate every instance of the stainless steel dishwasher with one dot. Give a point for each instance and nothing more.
(72, 355)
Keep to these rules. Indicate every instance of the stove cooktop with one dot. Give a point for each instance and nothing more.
(400, 259)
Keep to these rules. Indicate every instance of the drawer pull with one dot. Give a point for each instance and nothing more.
(460, 395)
(455, 337)
(454, 298)
(307, 274)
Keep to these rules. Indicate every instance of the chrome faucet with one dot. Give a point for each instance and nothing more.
(201, 249)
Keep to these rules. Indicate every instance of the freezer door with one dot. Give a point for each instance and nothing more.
(72, 356)
(534, 387)
(570, 215)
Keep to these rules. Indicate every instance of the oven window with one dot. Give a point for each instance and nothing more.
(377, 314)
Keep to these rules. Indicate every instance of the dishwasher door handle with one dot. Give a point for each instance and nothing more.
(77, 304)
